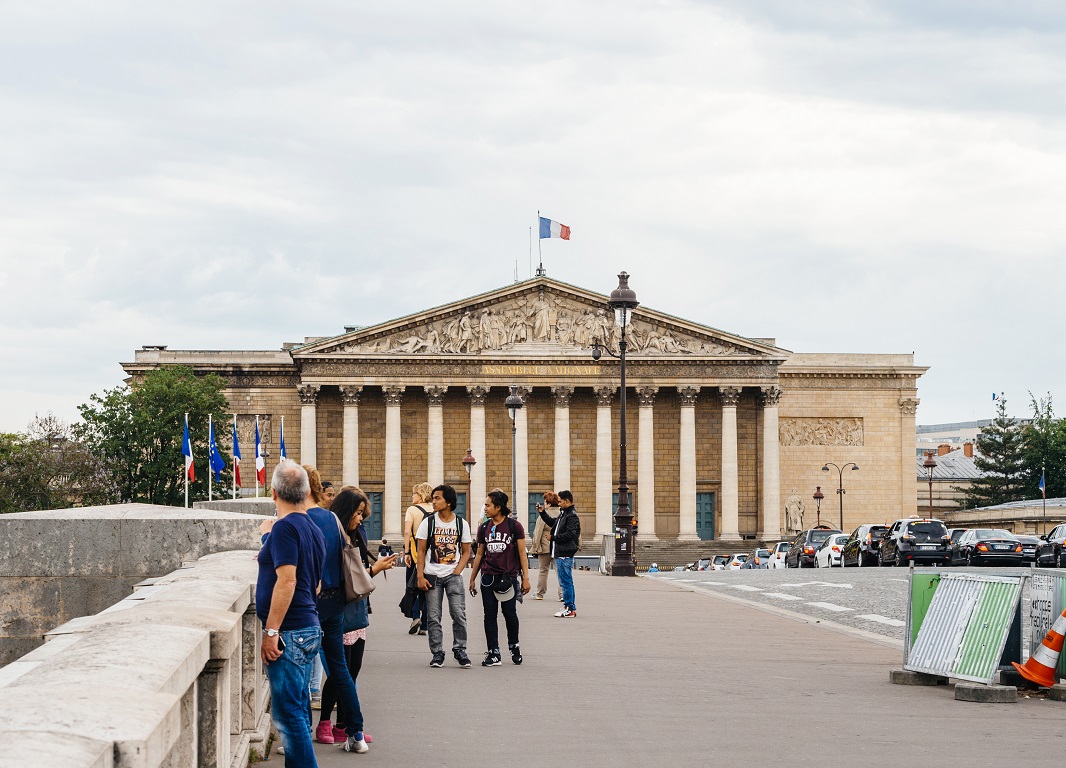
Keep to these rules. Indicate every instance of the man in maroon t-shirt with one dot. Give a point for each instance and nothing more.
(501, 557)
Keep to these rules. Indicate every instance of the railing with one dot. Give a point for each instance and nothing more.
(170, 676)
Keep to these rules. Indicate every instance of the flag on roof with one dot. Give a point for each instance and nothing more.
(549, 228)
(236, 456)
(186, 451)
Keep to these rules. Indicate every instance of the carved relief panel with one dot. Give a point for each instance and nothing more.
(827, 431)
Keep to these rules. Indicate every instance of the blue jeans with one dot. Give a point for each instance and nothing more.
(337, 669)
(289, 675)
(564, 567)
(451, 585)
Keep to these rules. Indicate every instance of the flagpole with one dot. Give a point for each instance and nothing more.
(235, 460)
(257, 457)
(210, 456)
(540, 256)
(186, 463)
(1043, 492)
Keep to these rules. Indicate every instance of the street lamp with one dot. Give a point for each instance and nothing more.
(514, 405)
(818, 496)
(930, 465)
(623, 301)
(468, 464)
(840, 486)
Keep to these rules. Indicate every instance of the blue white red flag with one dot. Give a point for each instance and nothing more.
(186, 450)
(1043, 489)
(284, 455)
(260, 462)
(236, 456)
(995, 397)
(549, 228)
(217, 462)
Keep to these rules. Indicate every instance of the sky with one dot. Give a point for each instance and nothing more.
(842, 176)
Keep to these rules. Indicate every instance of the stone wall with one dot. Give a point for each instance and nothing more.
(58, 565)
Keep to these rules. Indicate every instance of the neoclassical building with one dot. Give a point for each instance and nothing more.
(723, 430)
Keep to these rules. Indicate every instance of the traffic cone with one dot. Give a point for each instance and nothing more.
(1040, 668)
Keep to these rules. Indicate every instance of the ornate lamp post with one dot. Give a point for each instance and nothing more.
(930, 465)
(840, 486)
(623, 302)
(818, 496)
(514, 405)
(468, 464)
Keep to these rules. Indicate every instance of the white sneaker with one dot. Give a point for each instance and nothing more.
(356, 745)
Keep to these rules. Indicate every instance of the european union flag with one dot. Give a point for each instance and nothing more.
(217, 463)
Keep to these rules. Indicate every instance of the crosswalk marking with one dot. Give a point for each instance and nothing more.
(746, 588)
(782, 596)
(830, 607)
(881, 619)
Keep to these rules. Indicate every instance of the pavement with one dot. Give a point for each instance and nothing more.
(654, 672)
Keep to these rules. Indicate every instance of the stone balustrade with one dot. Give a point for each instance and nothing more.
(169, 676)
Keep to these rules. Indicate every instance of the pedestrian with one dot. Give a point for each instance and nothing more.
(384, 548)
(328, 495)
(500, 560)
(565, 538)
(290, 569)
(443, 551)
(542, 546)
(419, 510)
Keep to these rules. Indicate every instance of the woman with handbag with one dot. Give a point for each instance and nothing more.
(350, 508)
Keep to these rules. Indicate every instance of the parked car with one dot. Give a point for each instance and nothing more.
(736, 562)
(954, 534)
(758, 558)
(829, 552)
(777, 554)
(719, 562)
(981, 546)
(914, 540)
(801, 553)
(1052, 551)
(861, 547)
(1029, 547)
(702, 564)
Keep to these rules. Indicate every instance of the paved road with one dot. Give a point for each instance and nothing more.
(653, 673)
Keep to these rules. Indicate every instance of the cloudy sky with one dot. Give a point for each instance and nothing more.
(843, 176)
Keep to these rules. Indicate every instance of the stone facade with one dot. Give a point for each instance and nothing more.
(729, 425)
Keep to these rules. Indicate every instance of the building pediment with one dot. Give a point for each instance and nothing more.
(535, 318)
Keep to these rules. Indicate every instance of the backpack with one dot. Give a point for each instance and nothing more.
(429, 536)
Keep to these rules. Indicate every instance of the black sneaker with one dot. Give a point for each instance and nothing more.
(492, 659)
(516, 654)
(438, 659)
(462, 658)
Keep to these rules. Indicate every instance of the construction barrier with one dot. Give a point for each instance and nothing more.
(1047, 601)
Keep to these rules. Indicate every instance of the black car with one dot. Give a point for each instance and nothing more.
(981, 546)
(1052, 550)
(861, 547)
(801, 554)
(1029, 546)
(914, 540)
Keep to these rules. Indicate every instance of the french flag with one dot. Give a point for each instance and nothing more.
(260, 462)
(186, 450)
(549, 228)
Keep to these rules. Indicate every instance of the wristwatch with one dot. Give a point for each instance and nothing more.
(271, 633)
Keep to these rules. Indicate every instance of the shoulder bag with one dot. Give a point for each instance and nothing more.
(357, 582)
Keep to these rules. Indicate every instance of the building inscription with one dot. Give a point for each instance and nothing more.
(540, 370)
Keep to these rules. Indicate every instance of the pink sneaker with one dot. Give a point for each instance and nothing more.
(324, 733)
(339, 735)
(368, 738)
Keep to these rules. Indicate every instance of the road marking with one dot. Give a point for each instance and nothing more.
(903, 580)
(830, 607)
(782, 596)
(881, 619)
(688, 580)
(746, 588)
(816, 584)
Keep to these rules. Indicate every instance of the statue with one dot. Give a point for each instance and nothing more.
(794, 513)
(541, 311)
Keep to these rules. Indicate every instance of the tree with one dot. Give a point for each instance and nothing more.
(138, 429)
(999, 454)
(1045, 449)
(49, 467)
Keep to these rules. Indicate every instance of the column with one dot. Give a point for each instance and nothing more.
(646, 462)
(686, 530)
(520, 502)
(770, 514)
(730, 468)
(308, 423)
(435, 447)
(561, 477)
(392, 522)
(908, 499)
(350, 438)
(477, 489)
(604, 462)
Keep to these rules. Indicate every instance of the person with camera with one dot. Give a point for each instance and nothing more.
(500, 560)
(542, 544)
(566, 539)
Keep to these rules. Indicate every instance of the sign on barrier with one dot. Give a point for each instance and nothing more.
(1047, 601)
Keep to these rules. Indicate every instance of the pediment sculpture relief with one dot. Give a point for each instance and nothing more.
(542, 318)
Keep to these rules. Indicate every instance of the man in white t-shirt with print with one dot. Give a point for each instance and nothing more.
(440, 567)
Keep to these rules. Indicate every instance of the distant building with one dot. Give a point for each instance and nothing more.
(954, 469)
(1023, 517)
(930, 437)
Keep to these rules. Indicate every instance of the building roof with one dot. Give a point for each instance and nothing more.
(1028, 504)
(955, 465)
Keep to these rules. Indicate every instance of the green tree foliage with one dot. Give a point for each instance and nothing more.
(49, 467)
(139, 430)
(1045, 447)
(1000, 452)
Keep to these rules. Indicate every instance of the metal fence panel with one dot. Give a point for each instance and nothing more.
(982, 646)
(1048, 599)
(941, 632)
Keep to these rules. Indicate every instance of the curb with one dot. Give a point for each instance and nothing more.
(986, 694)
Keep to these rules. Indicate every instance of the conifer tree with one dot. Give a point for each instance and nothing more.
(1000, 455)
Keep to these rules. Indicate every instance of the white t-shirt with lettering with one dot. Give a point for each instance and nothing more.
(443, 553)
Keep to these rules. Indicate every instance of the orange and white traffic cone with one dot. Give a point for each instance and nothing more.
(1040, 668)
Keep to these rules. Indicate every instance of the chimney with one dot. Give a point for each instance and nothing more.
(942, 449)
(967, 450)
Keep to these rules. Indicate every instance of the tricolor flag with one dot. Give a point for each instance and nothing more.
(186, 451)
(282, 439)
(994, 397)
(260, 463)
(236, 456)
(549, 228)
(215, 458)
(1043, 490)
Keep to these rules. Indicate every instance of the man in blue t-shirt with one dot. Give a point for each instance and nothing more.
(290, 570)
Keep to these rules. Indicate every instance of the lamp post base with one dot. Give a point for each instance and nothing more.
(623, 569)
